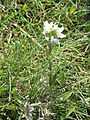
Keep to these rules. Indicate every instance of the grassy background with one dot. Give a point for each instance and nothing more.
(25, 64)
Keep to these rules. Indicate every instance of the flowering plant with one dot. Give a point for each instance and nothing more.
(52, 34)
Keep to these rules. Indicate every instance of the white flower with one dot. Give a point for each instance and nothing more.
(50, 28)
(47, 27)
(60, 29)
(62, 35)
(59, 34)
(44, 32)
(54, 39)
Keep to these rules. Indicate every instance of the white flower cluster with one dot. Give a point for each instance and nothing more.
(50, 28)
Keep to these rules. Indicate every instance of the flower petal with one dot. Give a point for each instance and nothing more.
(47, 38)
(43, 32)
(62, 35)
(51, 24)
(60, 29)
(54, 39)
(55, 27)
(46, 23)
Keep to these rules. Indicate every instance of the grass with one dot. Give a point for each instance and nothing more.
(24, 62)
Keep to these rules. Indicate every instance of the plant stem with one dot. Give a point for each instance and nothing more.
(50, 63)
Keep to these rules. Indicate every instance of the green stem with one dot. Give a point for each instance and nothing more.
(50, 63)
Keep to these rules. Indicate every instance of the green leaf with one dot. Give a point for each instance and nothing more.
(66, 95)
(14, 89)
(11, 107)
(25, 6)
(70, 111)
(72, 10)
